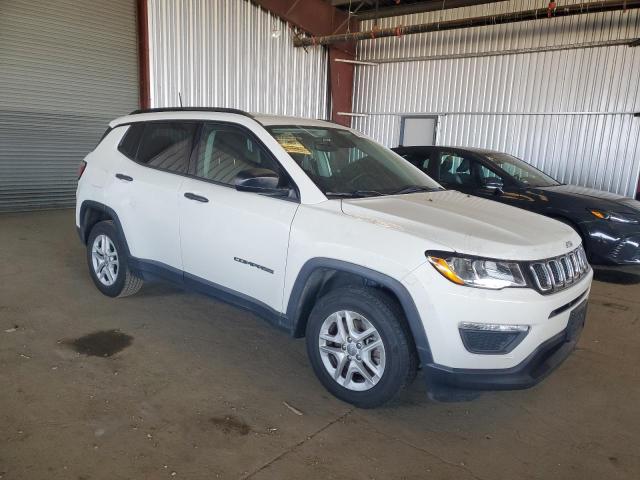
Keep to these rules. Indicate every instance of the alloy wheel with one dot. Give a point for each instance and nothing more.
(104, 259)
(352, 350)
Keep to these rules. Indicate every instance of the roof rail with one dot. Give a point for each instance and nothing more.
(192, 109)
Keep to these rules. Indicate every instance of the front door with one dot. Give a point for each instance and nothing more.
(235, 241)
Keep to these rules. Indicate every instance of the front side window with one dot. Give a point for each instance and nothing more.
(225, 150)
(456, 170)
(343, 164)
(520, 170)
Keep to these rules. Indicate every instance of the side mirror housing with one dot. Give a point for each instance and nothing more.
(494, 184)
(260, 180)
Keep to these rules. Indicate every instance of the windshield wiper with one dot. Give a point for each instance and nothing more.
(355, 194)
(416, 188)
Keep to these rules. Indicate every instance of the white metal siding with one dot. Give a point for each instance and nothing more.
(223, 53)
(601, 151)
(67, 67)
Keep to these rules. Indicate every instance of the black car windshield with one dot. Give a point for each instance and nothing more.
(343, 164)
(521, 170)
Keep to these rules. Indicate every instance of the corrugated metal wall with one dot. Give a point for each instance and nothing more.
(67, 67)
(601, 151)
(231, 53)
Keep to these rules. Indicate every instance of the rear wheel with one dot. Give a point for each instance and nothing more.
(108, 263)
(360, 346)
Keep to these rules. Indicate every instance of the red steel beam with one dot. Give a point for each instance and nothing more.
(143, 53)
(319, 18)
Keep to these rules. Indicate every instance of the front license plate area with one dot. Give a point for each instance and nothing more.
(576, 321)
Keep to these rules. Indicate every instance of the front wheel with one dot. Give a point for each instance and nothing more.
(108, 262)
(360, 346)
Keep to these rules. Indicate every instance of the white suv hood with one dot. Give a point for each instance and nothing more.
(467, 224)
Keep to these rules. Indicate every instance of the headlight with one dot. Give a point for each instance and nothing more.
(477, 272)
(613, 216)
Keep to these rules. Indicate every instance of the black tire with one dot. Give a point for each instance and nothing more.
(126, 282)
(387, 318)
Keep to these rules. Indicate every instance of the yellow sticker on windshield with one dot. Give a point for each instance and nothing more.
(291, 144)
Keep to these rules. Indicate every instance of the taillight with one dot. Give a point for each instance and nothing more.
(81, 168)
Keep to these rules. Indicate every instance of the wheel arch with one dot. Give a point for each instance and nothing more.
(320, 275)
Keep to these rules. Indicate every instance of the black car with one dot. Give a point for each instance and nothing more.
(609, 224)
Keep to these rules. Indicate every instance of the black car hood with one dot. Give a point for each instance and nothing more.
(598, 198)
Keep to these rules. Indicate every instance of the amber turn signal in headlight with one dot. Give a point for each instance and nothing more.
(477, 272)
(443, 267)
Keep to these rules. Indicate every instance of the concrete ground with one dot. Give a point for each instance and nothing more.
(200, 391)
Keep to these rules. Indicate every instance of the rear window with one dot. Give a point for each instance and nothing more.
(163, 145)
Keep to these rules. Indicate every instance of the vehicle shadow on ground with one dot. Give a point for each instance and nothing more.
(613, 276)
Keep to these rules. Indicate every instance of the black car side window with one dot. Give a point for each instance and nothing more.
(454, 169)
(420, 160)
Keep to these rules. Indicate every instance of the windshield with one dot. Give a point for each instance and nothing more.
(521, 170)
(343, 164)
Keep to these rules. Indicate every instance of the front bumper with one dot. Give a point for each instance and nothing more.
(443, 305)
(540, 363)
(609, 246)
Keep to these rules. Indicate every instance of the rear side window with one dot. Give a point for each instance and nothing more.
(163, 145)
(419, 159)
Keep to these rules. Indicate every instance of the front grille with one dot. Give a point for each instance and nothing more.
(554, 274)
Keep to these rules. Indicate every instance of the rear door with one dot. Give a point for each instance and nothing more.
(153, 158)
(234, 241)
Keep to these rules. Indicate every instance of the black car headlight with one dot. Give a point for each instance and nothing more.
(614, 216)
(477, 272)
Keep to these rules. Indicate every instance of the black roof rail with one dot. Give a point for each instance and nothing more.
(192, 109)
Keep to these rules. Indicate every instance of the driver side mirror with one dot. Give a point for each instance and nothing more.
(260, 180)
(494, 183)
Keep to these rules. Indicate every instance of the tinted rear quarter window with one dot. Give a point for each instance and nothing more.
(129, 143)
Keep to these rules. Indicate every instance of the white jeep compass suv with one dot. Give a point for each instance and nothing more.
(330, 236)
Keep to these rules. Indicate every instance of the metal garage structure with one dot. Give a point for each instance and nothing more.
(560, 93)
(66, 69)
(232, 54)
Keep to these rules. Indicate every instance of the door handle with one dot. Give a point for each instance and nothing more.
(197, 198)
(126, 178)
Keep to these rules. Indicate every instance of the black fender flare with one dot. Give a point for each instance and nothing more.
(295, 307)
(83, 231)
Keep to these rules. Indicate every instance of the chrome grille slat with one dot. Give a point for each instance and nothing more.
(554, 274)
